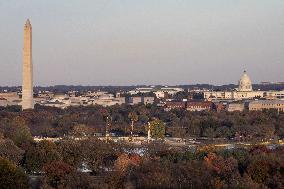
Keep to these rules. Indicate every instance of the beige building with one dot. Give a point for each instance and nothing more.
(10, 96)
(109, 101)
(5, 102)
(135, 100)
(260, 105)
(148, 100)
(27, 87)
(9, 99)
(235, 107)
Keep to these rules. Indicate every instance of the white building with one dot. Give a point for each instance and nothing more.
(244, 91)
(91, 98)
(108, 100)
(159, 92)
(141, 90)
(167, 90)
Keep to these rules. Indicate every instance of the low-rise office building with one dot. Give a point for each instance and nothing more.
(274, 94)
(232, 107)
(260, 105)
(135, 100)
(148, 100)
(141, 99)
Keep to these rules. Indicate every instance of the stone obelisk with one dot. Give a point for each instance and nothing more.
(27, 87)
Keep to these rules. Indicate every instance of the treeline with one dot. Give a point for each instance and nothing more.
(92, 163)
(114, 89)
(53, 122)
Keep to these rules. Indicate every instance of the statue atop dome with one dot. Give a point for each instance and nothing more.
(245, 83)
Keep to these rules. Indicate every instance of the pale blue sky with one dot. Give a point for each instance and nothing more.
(123, 42)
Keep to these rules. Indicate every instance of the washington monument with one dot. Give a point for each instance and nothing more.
(27, 88)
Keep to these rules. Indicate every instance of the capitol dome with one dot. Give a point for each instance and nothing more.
(245, 83)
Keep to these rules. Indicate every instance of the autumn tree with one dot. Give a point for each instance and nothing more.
(158, 129)
(97, 154)
(11, 176)
(57, 174)
(10, 151)
(126, 160)
(267, 168)
(80, 131)
(71, 152)
(60, 175)
(39, 154)
(17, 130)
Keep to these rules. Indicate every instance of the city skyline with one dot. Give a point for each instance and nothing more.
(98, 43)
(141, 94)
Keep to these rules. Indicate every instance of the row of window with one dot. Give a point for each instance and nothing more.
(272, 104)
(279, 109)
(199, 107)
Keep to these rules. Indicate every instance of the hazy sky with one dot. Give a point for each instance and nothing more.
(123, 42)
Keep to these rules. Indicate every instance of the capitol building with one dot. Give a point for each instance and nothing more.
(243, 92)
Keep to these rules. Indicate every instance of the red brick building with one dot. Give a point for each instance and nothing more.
(199, 106)
(220, 106)
(175, 105)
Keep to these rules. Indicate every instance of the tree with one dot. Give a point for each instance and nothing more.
(10, 151)
(97, 154)
(71, 152)
(158, 129)
(39, 154)
(267, 168)
(57, 174)
(108, 119)
(143, 114)
(60, 175)
(18, 131)
(240, 154)
(80, 131)
(133, 118)
(209, 132)
(126, 160)
(12, 176)
(151, 174)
